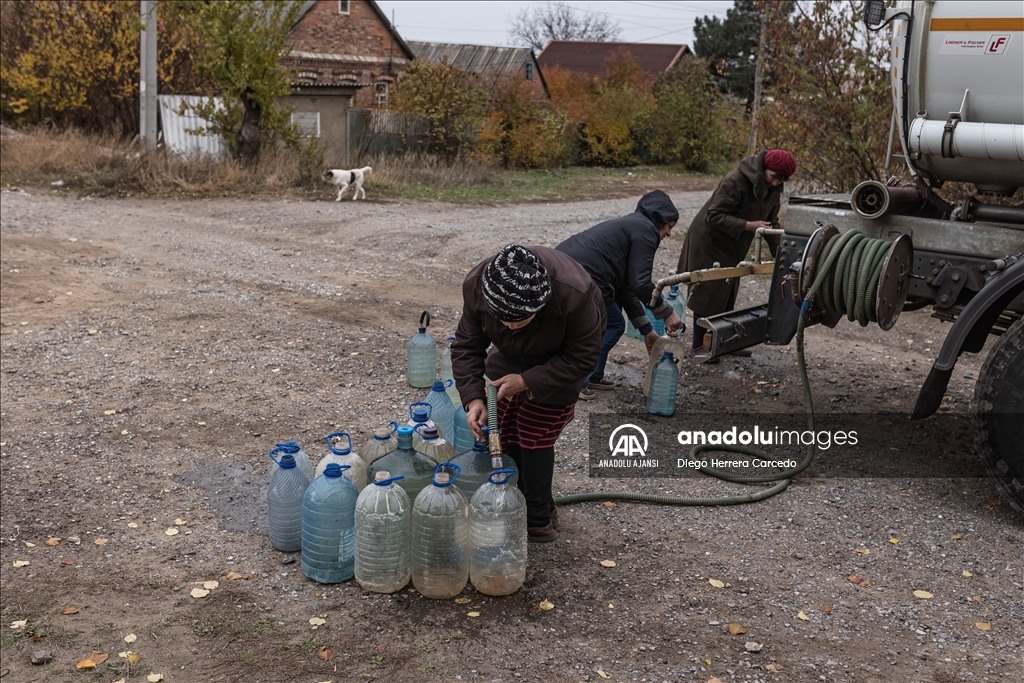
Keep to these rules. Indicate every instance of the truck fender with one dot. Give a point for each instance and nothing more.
(969, 333)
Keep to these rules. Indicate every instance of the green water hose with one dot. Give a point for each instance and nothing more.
(851, 265)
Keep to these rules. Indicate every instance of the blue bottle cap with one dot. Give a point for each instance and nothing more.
(287, 461)
(335, 470)
(437, 386)
(429, 433)
(423, 329)
(405, 430)
(668, 355)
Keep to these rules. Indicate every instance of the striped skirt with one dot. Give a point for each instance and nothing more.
(531, 425)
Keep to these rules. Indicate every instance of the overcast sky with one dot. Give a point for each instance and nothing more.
(486, 23)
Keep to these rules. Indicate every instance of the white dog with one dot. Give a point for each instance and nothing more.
(345, 178)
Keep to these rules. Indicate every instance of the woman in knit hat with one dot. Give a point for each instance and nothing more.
(543, 317)
(745, 200)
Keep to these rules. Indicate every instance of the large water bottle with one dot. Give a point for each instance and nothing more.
(284, 502)
(344, 455)
(433, 446)
(678, 304)
(421, 367)
(415, 468)
(497, 522)
(476, 465)
(442, 410)
(670, 343)
(661, 397)
(440, 537)
(382, 443)
(419, 414)
(383, 535)
(463, 434)
(301, 459)
(328, 527)
(448, 374)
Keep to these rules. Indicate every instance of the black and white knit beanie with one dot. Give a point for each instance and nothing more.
(516, 284)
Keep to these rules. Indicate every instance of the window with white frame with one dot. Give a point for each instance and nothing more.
(343, 6)
(382, 89)
(308, 123)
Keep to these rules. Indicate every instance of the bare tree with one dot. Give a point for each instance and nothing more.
(539, 24)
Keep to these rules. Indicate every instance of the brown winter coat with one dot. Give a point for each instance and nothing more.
(717, 235)
(554, 353)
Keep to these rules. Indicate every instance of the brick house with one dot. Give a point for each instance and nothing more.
(515, 62)
(345, 53)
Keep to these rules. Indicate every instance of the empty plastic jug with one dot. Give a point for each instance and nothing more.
(284, 502)
(433, 446)
(670, 343)
(383, 535)
(677, 301)
(301, 459)
(328, 527)
(440, 537)
(476, 465)
(415, 468)
(421, 366)
(497, 523)
(463, 436)
(661, 397)
(380, 444)
(419, 414)
(448, 374)
(344, 455)
(442, 410)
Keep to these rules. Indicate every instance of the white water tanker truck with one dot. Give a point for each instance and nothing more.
(958, 94)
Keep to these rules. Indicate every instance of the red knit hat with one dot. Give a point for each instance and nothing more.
(780, 161)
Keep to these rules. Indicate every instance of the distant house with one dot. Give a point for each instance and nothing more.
(345, 53)
(589, 58)
(482, 59)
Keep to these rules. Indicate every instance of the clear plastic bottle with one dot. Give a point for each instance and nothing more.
(463, 435)
(497, 522)
(419, 414)
(328, 527)
(382, 443)
(301, 459)
(383, 535)
(661, 397)
(448, 374)
(440, 537)
(442, 410)
(343, 455)
(476, 465)
(415, 468)
(284, 502)
(670, 343)
(421, 367)
(433, 446)
(677, 300)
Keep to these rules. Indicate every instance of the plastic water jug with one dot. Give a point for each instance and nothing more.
(383, 535)
(419, 413)
(661, 397)
(440, 537)
(328, 527)
(415, 468)
(284, 502)
(677, 301)
(382, 443)
(421, 370)
(497, 523)
(659, 325)
(301, 459)
(670, 343)
(448, 374)
(476, 465)
(433, 446)
(344, 455)
(442, 410)
(463, 435)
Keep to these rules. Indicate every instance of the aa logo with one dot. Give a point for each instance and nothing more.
(628, 442)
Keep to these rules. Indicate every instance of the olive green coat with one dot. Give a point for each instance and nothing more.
(717, 235)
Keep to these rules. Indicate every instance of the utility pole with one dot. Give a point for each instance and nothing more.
(147, 81)
(758, 75)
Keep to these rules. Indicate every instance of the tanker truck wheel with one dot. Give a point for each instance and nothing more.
(999, 413)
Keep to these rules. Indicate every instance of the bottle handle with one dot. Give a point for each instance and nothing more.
(425, 315)
(339, 451)
(430, 408)
(275, 449)
(447, 382)
(341, 469)
(289, 447)
(449, 465)
(507, 472)
(385, 482)
(416, 429)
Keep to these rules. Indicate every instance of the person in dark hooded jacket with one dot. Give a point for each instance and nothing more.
(619, 255)
(745, 200)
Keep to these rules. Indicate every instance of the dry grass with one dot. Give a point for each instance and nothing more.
(430, 170)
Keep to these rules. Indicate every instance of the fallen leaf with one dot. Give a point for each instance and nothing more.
(180, 522)
(957, 537)
(22, 563)
(751, 646)
(894, 540)
(994, 503)
(826, 608)
(976, 598)
(235, 576)
(461, 601)
(802, 617)
(154, 678)
(130, 638)
(317, 621)
(69, 610)
(545, 604)
(133, 525)
(201, 424)
(714, 680)
(29, 545)
(853, 578)
(133, 658)
(210, 585)
(98, 658)
(276, 370)
(608, 504)
(924, 595)
(86, 664)
(967, 574)
(16, 625)
(611, 605)
(120, 680)
(325, 653)
(52, 541)
(736, 629)
(862, 551)
(109, 412)
(171, 532)
(67, 563)
(472, 614)
(124, 431)
(36, 639)
(199, 593)
(982, 625)
(102, 541)
(716, 583)
(774, 668)
(607, 563)
(602, 674)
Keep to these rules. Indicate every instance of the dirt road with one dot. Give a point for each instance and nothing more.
(154, 351)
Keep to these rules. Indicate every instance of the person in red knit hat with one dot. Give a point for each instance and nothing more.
(745, 200)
